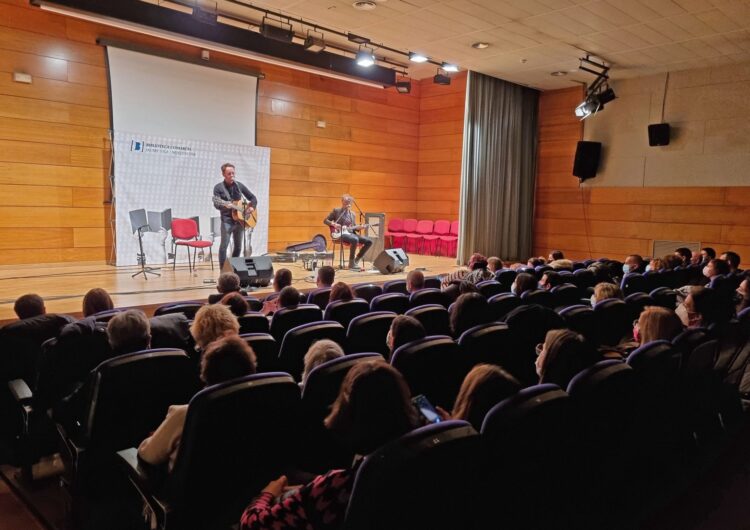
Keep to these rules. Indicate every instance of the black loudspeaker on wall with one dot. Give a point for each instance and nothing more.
(255, 271)
(391, 260)
(658, 134)
(587, 159)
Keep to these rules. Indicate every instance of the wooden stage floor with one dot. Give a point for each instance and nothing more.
(63, 285)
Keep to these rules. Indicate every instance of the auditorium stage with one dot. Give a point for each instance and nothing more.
(62, 285)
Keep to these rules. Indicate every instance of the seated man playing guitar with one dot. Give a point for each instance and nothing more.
(341, 223)
(230, 195)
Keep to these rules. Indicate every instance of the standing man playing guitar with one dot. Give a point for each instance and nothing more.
(342, 224)
(230, 195)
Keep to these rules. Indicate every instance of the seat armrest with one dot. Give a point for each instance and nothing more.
(147, 478)
(20, 391)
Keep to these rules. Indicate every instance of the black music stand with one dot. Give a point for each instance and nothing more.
(139, 223)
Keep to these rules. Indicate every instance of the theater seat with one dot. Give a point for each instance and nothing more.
(489, 288)
(298, 340)
(368, 332)
(581, 319)
(266, 351)
(343, 311)
(253, 322)
(446, 458)
(395, 302)
(367, 291)
(189, 309)
(491, 343)
(502, 304)
(429, 296)
(223, 462)
(433, 317)
(319, 297)
(287, 318)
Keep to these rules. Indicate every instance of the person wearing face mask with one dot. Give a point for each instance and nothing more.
(711, 270)
(523, 282)
(743, 294)
(633, 263)
(656, 265)
(549, 280)
(703, 307)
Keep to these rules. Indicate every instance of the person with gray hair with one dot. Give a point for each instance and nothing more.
(129, 331)
(342, 221)
(320, 351)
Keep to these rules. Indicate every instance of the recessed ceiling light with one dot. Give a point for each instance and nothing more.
(364, 5)
(559, 73)
(480, 45)
(418, 57)
(448, 67)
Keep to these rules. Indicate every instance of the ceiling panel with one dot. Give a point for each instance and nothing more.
(529, 39)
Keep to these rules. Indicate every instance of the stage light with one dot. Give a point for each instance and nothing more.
(403, 87)
(448, 67)
(418, 57)
(315, 43)
(357, 38)
(282, 33)
(594, 103)
(441, 78)
(365, 58)
(606, 96)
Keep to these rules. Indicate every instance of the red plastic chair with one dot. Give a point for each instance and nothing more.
(185, 233)
(410, 226)
(424, 227)
(441, 228)
(451, 239)
(394, 229)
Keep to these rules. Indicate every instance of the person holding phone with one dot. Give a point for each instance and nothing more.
(372, 408)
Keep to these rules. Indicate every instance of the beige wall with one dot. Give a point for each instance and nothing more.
(709, 112)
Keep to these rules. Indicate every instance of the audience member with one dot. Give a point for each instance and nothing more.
(236, 303)
(703, 307)
(604, 290)
(685, 254)
(467, 311)
(563, 354)
(213, 322)
(707, 253)
(523, 282)
(494, 264)
(461, 273)
(743, 294)
(341, 291)
(29, 306)
(555, 255)
(320, 351)
(373, 408)
(414, 281)
(129, 331)
(228, 282)
(633, 263)
(550, 279)
(325, 277)
(715, 267)
(561, 265)
(404, 329)
(656, 265)
(289, 297)
(484, 386)
(656, 323)
(282, 278)
(536, 262)
(95, 301)
(224, 359)
(479, 271)
(671, 261)
(733, 259)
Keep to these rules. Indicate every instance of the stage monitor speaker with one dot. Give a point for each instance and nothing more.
(587, 159)
(658, 134)
(255, 271)
(391, 260)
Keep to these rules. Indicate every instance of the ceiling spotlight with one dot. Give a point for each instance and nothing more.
(594, 102)
(281, 32)
(365, 57)
(480, 45)
(448, 67)
(606, 96)
(403, 87)
(441, 78)
(559, 73)
(418, 57)
(314, 42)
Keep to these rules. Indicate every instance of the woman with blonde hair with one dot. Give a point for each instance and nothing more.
(484, 386)
(657, 323)
(213, 322)
(605, 290)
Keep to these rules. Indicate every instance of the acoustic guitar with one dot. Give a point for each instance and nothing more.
(239, 209)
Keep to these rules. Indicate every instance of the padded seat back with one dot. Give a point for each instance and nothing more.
(266, 351)
(491, 343)
(287, 318)
(664, 297)
(253, 322)
(319, 297)
(637, 302)
(433, 317)
(431, 366)
(502, 304)
(613, 321)
(367, 291)
(505, 278)
(343, 311)
(368, 332)
(566, 295)
(539, 297)
(530, 324)
(429, 296)
(445, 456)
(189, 309)
(489, 288)
(298, 340)
(633, 282)
(581, 319)
(395, 286)
(396, 302)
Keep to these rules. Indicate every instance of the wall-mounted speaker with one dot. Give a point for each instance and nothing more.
(658, 134)
(587, 159)
(391, 260)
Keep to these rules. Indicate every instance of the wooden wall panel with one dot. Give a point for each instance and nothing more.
(441, 125)
(605, 221)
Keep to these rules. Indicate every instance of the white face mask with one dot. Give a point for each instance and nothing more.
(706, 272)
(648, 267)
(625, 268)
(593, 300)
(513, 289)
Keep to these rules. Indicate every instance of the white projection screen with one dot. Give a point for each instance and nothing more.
(164, 97)
(174, 124)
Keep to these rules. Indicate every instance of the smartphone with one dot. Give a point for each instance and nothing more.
(425, 409)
